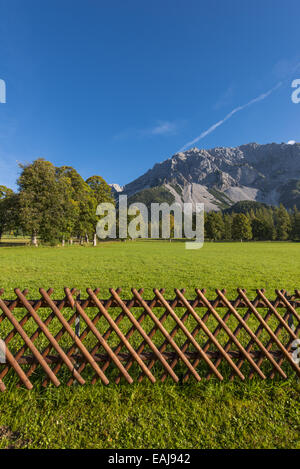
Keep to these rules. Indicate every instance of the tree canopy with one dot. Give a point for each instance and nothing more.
(56, 203)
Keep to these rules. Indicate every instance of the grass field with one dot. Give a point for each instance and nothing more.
(207, 415)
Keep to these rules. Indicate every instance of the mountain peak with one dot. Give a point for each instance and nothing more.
(116, 187)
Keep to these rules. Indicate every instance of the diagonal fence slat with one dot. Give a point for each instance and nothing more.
(185, 345)
(283, 323)
(168, 338)
(12, 333)
(97, 334)
(82, 336)
(232, 337)
(218, 330)
(167, 344)
(292, 310)
(49, 336)
(247, 328)
(139, 328)
(79, 344)
(131, 331)
(60, 334)
(209, 333)
(197, 329)
(188, 334)
(120, 334)
(47, 350)
(29, 344)
(257, 333)
(155, 329)
(273, 336)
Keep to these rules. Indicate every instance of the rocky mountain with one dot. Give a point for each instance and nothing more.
(116, 188)
(222, 176)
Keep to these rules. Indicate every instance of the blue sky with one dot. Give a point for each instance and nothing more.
(113, 87)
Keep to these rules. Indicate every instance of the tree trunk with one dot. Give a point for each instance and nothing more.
(34, 240)
(71, 241)
(95, 240)
(86, 238)
(63, 242)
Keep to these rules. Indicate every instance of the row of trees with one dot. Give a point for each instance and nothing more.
(263, 223)
(53, 204)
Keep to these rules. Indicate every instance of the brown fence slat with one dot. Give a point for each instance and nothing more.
(257, 334)
(97, 334)
(274, 337)
(208, 332)
(119, 332)
(29, 344)
(190, 337)
(247, 328)
(178, 350)
(82, 336)
(59, 335)
(231, 336)
(141, 318)
(73, 336)
(49, 336)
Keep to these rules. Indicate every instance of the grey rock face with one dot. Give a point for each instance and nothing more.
(222, 176)
(116, 188)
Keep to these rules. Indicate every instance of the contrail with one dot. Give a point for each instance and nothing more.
(228, 116)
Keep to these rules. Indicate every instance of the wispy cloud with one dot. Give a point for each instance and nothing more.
(213, 127)
(284, 68)
(225, 99)
(163, 128)
(124, 134)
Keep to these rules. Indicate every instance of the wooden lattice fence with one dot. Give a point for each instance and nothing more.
(62, 341)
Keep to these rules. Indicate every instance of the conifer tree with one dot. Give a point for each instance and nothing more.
(241, 227)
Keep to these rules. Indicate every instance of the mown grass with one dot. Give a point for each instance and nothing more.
(256, 414)
(151, 264)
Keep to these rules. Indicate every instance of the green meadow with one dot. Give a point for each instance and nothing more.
(150, 264)
(254, 414)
